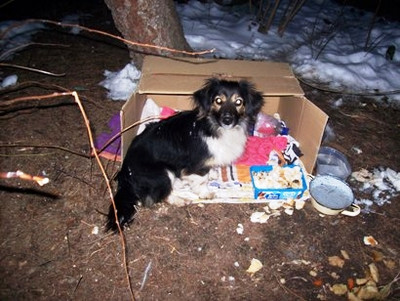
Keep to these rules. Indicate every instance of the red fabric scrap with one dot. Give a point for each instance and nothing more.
(258, 149)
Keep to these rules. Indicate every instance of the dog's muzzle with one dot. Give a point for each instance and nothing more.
(227, 119)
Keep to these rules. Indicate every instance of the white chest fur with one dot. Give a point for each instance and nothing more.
(228, 147)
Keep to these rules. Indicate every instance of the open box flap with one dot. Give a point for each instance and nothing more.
(184, 75)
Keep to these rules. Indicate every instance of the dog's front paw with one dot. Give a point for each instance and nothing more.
(178, 201)
(206, 194)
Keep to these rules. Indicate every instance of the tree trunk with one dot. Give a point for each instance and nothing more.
(149, 22)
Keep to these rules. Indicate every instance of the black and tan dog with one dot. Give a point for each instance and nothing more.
(186, 146)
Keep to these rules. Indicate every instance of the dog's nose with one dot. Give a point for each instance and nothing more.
(227, 119)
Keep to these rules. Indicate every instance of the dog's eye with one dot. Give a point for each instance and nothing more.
(238, 102)
(218, 101)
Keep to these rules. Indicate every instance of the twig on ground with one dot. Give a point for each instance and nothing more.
(32, 69)
(36, 84)
(79, 282)
(146, 272)
(103, 33)
(24, 176)
(5, 54)
(75, 95)
(288, 290)
(28, 145)
(112, 139)
(121, 234)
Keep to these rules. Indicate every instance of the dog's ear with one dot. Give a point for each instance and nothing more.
(254, 98)
(203, 98)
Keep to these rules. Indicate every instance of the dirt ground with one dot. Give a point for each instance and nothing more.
(48, 250)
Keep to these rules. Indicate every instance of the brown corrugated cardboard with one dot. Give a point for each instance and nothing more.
(171, 82)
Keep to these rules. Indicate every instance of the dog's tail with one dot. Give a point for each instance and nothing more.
(125, 204)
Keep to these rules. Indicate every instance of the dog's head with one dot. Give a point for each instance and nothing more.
(228, 103)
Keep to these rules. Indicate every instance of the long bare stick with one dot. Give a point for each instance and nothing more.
(28, 145)
(32, 69)
(371, 25)
(24, 176)
(19, 47)
(112, 139)
(192, 53)
(74, 94)
(121, 234)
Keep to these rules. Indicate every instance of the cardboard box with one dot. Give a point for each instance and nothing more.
(171, 82)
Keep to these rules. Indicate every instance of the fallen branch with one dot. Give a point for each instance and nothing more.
(27, 145)
(6, 103)
(8, 52)
(74, 94)
(121, 234)
(32, 69)
(112, 139)
(103, 33)
(24, 176)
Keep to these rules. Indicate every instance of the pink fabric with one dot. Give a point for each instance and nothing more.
(167, 112)
(258, 149)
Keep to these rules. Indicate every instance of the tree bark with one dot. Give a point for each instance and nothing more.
(149, 22)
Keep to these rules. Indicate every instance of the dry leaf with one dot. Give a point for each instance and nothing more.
(345, 254)
(361, 281)
(259, 217)
(374, 272)
(289, 203)
(370, 241)
(255, 266)
(336, 261)
(389, 263)
(368, 291)
(275, 204)
(339, 289)
(266, 209)
(300, 261)
(385, 291)
(377, 256)
(240, 229)
(352, 297)
(299, 204)
(289, 211)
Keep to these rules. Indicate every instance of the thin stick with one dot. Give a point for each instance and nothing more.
(192, 53)
(121, 234)
(146, 272)
(378, 6)
(289, 290)
(6, 103)
(6, 3)
(24, 176)
(5, 54)
(32, 69)
(112, 139)
(74, 94)
(27, 145)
